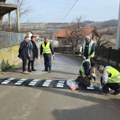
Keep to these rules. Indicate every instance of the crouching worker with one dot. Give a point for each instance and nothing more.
(110, 79)
(86, 75)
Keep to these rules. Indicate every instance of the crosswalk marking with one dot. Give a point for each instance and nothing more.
(33, 83)
(60, 84)
(47, 83)
(20, 81)
(5, 82)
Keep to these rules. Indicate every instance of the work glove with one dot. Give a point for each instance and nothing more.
(93, 75)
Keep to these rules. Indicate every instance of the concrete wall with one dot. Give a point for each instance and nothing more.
(9, 45)
(8, 57)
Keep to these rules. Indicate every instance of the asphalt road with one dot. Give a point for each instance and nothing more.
(24, 103)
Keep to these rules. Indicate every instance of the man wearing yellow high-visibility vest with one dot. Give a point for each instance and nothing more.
(110, 79)
(86, 72)
(88, 48)
(47, 51)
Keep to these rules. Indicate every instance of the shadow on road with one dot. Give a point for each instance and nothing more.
(91, 112)
(94, 110)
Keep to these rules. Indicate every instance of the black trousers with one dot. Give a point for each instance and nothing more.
(24, 65)
(31, 64)
(47, 62)
(113, 86)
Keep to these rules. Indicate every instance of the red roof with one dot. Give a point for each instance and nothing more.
(36, 35)
(84, 31)
(87, 31)
(63, 33)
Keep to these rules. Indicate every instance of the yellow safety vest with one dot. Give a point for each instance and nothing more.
(46, 49)
(89, 48)
(82, 69)
(115, 75)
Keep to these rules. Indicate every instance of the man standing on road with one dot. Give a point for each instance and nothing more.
(34, 54)
(23, 53)
(88, 48)
(110, 79)
(46, 50)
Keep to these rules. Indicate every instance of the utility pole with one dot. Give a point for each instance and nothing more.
(54, 32)
(118, 31)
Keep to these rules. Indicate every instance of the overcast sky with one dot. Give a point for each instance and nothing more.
(55, 10)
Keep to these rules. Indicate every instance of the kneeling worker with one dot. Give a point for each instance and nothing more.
(110, 79)
(86, 72)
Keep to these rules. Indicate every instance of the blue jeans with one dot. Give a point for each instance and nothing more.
(47, 62)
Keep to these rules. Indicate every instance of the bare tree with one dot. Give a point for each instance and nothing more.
(24, 9)
(76, 36)
(103, 41)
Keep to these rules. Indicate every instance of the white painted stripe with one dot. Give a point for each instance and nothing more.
(91, 87)
(32, 83)
(47, 83)
(7, 81)
(36, 80)
(60, 84)
(20, 81)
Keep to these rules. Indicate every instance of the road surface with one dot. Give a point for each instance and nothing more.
(31, 103)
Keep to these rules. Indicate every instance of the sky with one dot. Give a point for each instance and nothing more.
(55, 10)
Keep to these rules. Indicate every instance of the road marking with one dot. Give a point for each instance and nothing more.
(20, 81)
(61, 83)
(5, 82)
(33, 83)
(47, 83)
(38, 83)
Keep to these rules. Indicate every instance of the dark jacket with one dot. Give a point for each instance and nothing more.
(86, 50)
(87, 69)
(23, 50)
(35, 49)
(41, 48)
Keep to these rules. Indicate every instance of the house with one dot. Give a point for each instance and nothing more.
(37, 36)
(62, 34)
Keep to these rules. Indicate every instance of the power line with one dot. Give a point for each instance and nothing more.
(66, 6)
(70, 10)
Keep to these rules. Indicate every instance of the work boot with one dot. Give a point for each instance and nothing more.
(116, 92)
(34, 70)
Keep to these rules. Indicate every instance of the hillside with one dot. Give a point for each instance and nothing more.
(108, 29)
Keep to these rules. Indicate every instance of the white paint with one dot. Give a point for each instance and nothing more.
(20, 81)
(33, 82)
(47, 83)
(91, 87)
(60, 84)
(5, 82)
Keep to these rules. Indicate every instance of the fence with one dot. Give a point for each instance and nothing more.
(106, 56)
(8, 39)
(109, 56)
